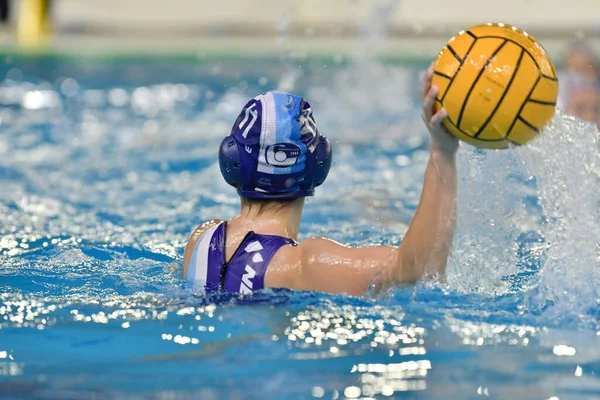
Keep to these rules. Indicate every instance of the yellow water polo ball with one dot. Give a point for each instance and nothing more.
(498, 85)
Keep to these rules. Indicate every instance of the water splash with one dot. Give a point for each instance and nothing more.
(565, 161)
(492, 213)
(367, 95)
(89, 244)
(528, 221)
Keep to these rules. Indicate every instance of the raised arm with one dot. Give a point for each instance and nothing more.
(426, 246)
(329, 266)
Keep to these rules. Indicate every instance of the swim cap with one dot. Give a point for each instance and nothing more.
(274, 150)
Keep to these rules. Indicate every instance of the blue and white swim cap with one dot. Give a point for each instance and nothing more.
(274, 150)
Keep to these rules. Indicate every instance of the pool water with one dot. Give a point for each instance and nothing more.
(106, 168)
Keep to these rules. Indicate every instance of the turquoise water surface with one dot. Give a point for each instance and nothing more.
(105, 169)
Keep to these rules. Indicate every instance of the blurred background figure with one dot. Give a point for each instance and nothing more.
(4, 11)
(578, 92)
(580, 59)
(584, 102)
(33, 22)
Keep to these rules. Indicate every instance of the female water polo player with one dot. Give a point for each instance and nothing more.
(275, 157)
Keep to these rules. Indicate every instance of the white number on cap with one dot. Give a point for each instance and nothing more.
(254, 113)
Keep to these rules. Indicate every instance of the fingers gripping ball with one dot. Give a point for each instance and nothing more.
(498, 85)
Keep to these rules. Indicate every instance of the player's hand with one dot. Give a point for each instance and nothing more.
(441, 139)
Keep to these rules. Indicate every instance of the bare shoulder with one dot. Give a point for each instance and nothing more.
(324, 250)
(286, 267)
(293, 258)
(325, 265)
(199, 231)
(315, 245)
(196, 235)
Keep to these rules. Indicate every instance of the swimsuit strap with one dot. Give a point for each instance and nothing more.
(204, 270)
(246, 270)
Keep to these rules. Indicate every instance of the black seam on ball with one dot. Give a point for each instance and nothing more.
(481, 140)
(454, 53)
(458, 71)
(442, 75)
(550, 77)
(479, 74)
(529, 124)
(523, 105)
(508, 85)
(545, 103)
(530, 55)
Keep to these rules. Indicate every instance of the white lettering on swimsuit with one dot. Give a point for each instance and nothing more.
(246, 283)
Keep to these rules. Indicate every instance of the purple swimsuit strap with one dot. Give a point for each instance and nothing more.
(246, 270)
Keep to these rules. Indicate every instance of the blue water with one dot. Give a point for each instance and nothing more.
(105, 169)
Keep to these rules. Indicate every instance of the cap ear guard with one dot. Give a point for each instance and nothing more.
(274, 150)
(229, 161)
(231, 166)
(323, 159)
